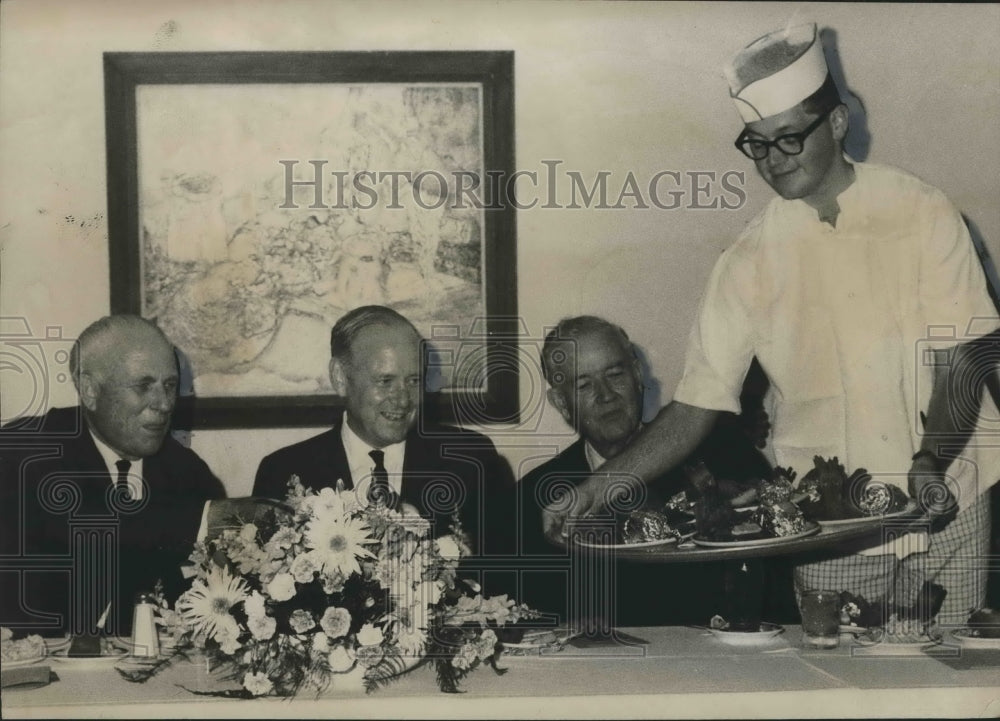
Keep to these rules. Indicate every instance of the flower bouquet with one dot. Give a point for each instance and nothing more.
(329, 593)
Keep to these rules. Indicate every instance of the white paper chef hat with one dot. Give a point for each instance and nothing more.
(776, 72)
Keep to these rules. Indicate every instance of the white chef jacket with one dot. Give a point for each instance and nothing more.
(839, 318)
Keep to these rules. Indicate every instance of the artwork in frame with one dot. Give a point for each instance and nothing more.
(255, 197)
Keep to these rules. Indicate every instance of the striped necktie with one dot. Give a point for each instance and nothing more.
(380, 491)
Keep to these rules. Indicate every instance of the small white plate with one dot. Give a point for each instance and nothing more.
(22, 662)
(867, 647)
(766, 633)
(622, 546)
(964, 637)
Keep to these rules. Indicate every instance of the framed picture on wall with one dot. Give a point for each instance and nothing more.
(255, 197)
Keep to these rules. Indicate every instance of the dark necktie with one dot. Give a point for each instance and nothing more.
(380, 491)
(121, 483)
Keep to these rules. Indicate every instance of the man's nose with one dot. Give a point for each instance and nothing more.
(401, 392)
(162, 399)
(603, 391)
(775, 157)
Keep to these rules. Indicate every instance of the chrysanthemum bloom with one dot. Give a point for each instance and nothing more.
(321, 642)
(227, 636)
(336, 621)
(341, 659)
(448, 548)
(305, 566)
(262, 627)
(337, 543)
(254, 605)
(206, 605)
(257, 683)
(282, 587)
(301, 621)
(333, 582)
(370, 635)
(283, 539)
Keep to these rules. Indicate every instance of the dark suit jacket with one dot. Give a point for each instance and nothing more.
(445, 470)
(645, 594)
(65, 538)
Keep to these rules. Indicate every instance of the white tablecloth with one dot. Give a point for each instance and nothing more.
(681, 672)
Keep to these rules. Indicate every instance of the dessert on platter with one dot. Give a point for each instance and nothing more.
(827, 493)
(775, 517)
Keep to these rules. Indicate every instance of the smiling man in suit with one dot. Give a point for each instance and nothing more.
(596, 383)
(380, 447)
(99, 501)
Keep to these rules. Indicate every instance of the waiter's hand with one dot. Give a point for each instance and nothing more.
(589, 498)
(929, 486)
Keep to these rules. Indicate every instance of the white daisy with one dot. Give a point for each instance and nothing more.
(206, 605)
(337, 543)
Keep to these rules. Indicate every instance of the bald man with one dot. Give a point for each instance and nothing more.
(99, 501)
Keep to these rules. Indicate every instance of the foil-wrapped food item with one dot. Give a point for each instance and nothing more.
(780, 519)
(878, 499)
(645, 526)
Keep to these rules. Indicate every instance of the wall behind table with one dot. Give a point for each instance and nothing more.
(616, 87)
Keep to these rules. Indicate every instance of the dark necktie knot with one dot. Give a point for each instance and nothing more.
(380, 491)
(121, 482)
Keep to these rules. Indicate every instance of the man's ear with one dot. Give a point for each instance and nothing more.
(89, 390)
(338, 377)
(559, 403)
(637, 371)
(839, 122)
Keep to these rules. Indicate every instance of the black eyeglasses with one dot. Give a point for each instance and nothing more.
(789, 144)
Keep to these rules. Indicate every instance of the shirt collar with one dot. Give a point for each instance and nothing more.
(111, 458)
(845, 200)
(594, 459)
(357, 453)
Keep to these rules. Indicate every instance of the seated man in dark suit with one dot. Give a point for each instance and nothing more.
(381, 448)
(99, 501)
(596, 384)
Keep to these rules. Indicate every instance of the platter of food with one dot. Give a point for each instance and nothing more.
(810, 528)
(909, 509)
(627, 545)
(638, 529)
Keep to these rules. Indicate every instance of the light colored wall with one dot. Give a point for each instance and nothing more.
(601, 86)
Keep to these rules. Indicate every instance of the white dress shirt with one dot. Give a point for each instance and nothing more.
(111, 457)
(362, 465)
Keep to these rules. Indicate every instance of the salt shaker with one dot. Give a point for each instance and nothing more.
(145, 642)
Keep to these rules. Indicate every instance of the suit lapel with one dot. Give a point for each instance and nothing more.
(338, 454)
(94, 476)
(413, 465)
